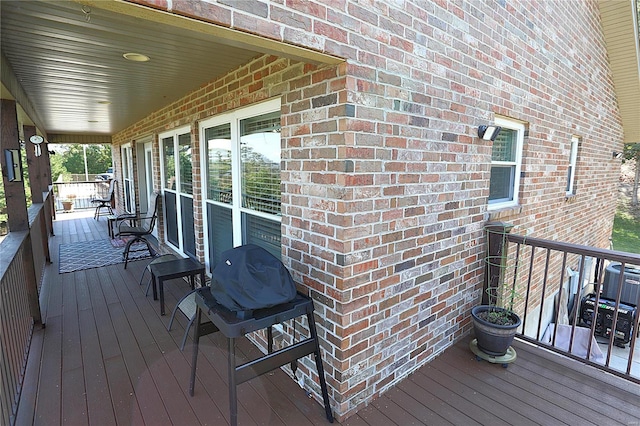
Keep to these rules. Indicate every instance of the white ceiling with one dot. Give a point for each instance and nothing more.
(69, 63)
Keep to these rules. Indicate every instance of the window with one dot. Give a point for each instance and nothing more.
(241, 182)
(177, 189)
(127, 179)
(506, 161)
(573, 161)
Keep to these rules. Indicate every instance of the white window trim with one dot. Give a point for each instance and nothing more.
(573, 163)
(520, 128)
(126, 155)
(234, 117)
(173, 134)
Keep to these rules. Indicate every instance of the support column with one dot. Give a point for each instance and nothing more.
(39, 171)
(18, 219)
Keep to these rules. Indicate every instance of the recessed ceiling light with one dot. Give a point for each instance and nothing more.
(104, 102)
(136, 57)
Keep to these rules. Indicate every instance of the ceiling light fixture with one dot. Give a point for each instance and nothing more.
(135, 57)
(104, 102)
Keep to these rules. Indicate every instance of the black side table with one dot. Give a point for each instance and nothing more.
(223, 320)
(160, 272)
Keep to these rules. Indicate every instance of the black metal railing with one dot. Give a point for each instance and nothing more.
(78, 195)
(573, 299)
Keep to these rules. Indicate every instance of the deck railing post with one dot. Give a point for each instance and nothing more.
(496, 257)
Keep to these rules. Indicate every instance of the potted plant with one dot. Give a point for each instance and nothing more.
(67, 203)
(494, 322)
(495, 328)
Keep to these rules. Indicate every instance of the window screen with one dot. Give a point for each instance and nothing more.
(218, 145)
(186, 178)
(169, 163)
(260, 163)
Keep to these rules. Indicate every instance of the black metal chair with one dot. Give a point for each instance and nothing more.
(104, 202)
(139, 227)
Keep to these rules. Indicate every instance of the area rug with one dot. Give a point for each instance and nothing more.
(94, 254)
(120, 242)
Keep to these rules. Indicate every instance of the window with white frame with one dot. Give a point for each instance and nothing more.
(573, 161)
(241, 179)
(127, 179)
(506, 162)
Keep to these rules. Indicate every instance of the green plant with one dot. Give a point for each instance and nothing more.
(501, 292)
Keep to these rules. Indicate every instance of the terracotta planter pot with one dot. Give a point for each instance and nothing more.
(67, 205)
(494, 339)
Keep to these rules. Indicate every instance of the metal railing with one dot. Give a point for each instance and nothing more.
(24, 257)
(576, 300)
(79, 194)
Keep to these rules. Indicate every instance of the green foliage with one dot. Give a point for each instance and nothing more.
(626, 232)
(98, 158)
(57, 166)
(631, 151)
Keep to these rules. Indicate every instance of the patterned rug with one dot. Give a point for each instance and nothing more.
(94, 254)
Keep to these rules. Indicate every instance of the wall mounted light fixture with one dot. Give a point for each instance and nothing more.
(616, 155)
(14, 166)
(37, 140)
(488, 133)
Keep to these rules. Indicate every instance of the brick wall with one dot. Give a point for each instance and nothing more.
(385, 182)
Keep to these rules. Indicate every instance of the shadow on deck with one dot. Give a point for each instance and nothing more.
(105, 357)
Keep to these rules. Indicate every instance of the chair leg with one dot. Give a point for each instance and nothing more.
(127, 248)
(125, 254)
(186, 332)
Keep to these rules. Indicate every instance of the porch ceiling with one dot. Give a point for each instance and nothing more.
(63, 63)
(620, 26)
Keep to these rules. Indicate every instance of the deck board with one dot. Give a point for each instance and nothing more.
(106, 357)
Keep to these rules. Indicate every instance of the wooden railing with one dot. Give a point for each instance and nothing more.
(573, 299)
(24, 257)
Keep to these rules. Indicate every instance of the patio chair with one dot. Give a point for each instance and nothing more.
(187, 306)
(139, 227)
(104, 202)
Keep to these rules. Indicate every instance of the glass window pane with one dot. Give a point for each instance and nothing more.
(504, 147)
(218, 145)
(262, 232)
(260, 163)
(169, 163)
(125, 163)
(501, 186)
(186, 178)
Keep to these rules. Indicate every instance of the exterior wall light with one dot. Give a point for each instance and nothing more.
(616, 155)
(488, 133)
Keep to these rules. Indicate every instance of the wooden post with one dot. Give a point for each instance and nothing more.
(39, 168)
(496, 257)
(18, 219)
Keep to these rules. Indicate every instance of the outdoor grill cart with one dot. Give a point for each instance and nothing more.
(223, 320)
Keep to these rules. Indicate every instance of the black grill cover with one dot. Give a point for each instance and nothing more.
(248, 277)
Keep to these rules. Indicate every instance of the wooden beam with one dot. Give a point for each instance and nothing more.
(18, 219)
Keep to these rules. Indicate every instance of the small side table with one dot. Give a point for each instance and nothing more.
(160, 272)
(221, 319)
(110, 220)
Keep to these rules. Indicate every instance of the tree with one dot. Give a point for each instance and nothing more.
(57, 166)
(98, 158)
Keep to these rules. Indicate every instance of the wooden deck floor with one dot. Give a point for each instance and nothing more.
(105, 358)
